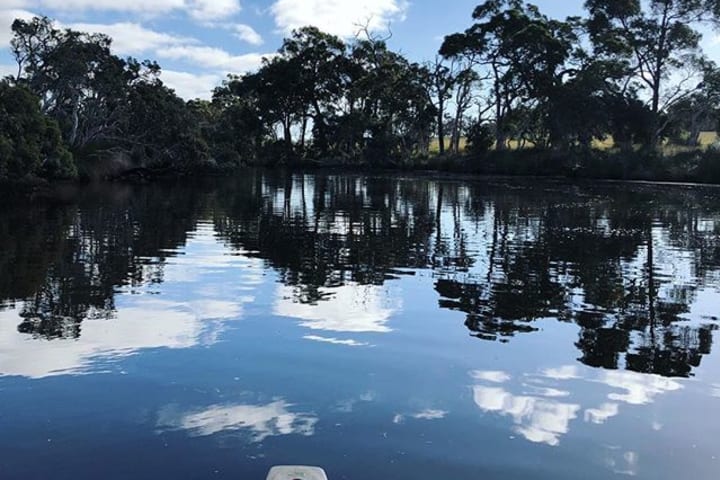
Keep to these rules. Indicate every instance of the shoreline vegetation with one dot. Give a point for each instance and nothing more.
(621, 93)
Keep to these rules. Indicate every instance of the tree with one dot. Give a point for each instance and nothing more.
(30, 143)
(79, 82)
(237, 126)
(699, 110)
(161, 131)
(318, 61)
(655, 38)
(519, 50)
(443, 79)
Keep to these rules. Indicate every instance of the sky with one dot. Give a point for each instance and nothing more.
(198, 42)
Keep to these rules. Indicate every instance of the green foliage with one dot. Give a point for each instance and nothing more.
(162, 131)
(514, 78)
(480, 138)
(322, 99)
(29, 142)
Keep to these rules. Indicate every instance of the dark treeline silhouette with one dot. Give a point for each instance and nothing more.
(624, 265)
(528, 94)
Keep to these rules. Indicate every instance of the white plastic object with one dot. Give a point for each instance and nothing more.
(296, 472)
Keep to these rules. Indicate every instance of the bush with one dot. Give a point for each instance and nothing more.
(30, 143)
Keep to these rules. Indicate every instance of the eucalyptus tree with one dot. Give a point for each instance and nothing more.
(699, 110)
(30, 143)
(442, 83)
(656, 39)
(390, 101)
(521, 52)
(319, 61)
(81, 84)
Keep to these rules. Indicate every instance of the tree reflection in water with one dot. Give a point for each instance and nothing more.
(624, 263)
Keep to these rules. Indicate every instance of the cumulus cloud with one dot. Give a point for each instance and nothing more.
(261, 421)
(201, 10)
(173, 326)
(7, 17)
(215, 58)
(349, 308)
(539, 420)
(137, 6)
(339, 17)
(601, 414)
(247, 34)
(637, 388)
(206, 10)
(490, 376)
(132, 38)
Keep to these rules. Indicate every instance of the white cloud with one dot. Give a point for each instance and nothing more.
(139, 322)
(640, 388)
(539, 420)
(215, 58)
(430, 414)
(566, 372)
(339, 17)
(206, 10)
(136, 6)
(349, 308)
(7, 4)
(132, 38)
(427, 414)
(202, 10)
(601, 414)
(547, 392)
(7, 17)
(490, 376)
(247, 34)
(144, 324)
(335, 341)
(262, 421)
(539, 415)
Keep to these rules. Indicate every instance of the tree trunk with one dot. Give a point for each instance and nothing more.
(441, 128)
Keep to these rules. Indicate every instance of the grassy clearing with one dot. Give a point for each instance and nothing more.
(706, 139)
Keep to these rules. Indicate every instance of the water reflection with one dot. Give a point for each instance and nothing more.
(586, 306)
(260, 421)
(96, 330)
(544, 415)
(627, 265)
(147, 324)
(348, 308)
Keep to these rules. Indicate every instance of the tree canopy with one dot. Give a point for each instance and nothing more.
(630, 71)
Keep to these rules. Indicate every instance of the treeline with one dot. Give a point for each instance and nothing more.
(517, 92)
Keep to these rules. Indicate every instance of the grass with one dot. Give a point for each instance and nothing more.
(706, 139)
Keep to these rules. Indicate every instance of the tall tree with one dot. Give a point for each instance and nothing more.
(656, 38)
(518, 49)
(318, 59)
(30, 143)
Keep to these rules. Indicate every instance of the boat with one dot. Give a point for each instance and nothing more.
(296, 472)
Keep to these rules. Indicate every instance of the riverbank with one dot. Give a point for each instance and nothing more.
(698, 166)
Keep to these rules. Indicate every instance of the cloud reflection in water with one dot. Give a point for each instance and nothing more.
(260, 421)
(541, 417)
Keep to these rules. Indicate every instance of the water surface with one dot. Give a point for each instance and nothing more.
(379, 326)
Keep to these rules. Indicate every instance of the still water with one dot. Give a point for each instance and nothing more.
(383, 327)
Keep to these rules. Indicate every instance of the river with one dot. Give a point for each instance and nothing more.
(382, 327)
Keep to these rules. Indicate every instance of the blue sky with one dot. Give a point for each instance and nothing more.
(197, 42)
